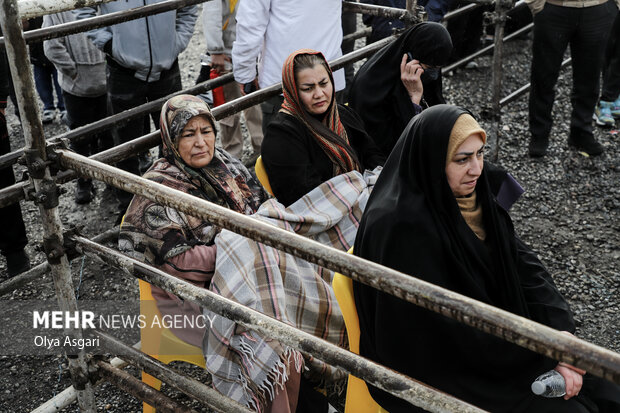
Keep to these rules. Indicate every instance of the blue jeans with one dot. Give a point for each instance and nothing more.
(43, 78)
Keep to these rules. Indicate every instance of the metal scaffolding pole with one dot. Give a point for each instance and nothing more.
(46, 189)
(393, 382)
(518, 330)
(40, 270)
(193, 388)
(381, 11)
(499, 18)
(35, 8)
(17, 191)
(104, 20)
(525, 88)
(140, 390)
(485, 50)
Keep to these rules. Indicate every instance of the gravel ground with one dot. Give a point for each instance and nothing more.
(569, 215)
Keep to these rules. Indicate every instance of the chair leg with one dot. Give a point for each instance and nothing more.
(155, 383)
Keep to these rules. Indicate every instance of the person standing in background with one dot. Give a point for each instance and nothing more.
(82, 77)
(13, 237)
(584, 25)
(608, 107)
(268, 31)
(219, 25)
(142, 57)
(45, 77)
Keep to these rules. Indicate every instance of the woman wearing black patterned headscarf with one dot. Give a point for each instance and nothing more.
(171, 240)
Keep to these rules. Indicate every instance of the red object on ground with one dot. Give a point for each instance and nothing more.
(218, 92)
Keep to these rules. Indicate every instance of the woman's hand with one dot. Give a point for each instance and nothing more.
(572, 376)
(410, 75)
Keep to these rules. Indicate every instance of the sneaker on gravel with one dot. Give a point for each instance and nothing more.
(48, 116)
(602, 114)
(615, 108)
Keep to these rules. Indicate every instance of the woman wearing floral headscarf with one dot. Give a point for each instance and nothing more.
(180, 244)
(313, 139)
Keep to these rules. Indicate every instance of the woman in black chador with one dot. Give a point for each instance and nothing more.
(432, 215)
(399, 81)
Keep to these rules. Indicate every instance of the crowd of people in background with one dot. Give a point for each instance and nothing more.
(329, 132)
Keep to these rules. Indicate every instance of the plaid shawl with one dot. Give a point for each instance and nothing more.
(336, 145)
(246, 366)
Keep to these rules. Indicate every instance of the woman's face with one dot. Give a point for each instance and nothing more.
(197, 142)
(315, 89)
(465, 167)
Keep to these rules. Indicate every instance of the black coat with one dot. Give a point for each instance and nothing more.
(296, 164)
(378, 95)
(412, 224)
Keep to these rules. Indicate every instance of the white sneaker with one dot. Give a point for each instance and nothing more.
(48, 116)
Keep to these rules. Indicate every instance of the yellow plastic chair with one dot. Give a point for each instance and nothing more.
(358, 399)
(160, 343)
(261, 174)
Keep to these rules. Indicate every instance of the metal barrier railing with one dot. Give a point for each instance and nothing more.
(79, 26)
(526, 333)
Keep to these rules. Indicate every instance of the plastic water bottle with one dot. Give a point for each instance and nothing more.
(550, 384)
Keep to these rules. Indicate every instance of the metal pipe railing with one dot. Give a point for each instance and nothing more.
(461, 10)
(381, 11)
(518, 330)
(525, 88)
(357, 35)
(485, 50)
(393, 382)
(103, 20)
(139, 390)
(193, 388)
(16, 192)
(36, 8)
(68, 395)
(41, 178)
(40, 270)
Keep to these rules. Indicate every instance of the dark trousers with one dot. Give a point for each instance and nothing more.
(611, 71)
(13, 235)
(465, 32)
(555, 28)
(46, 81)
(82, 111)
(126, 92)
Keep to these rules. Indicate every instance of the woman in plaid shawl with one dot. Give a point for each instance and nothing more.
(313, 139)
(180, 244)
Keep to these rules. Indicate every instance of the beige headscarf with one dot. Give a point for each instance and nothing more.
(464, 127)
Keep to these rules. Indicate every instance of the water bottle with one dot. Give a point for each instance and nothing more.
(550, 384)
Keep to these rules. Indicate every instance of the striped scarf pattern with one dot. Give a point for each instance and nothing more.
(338, 153)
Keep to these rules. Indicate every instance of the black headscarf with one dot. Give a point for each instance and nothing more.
(412, 223)
(378, 94)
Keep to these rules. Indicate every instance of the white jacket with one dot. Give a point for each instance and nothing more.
(270, 30)
(219, 25)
